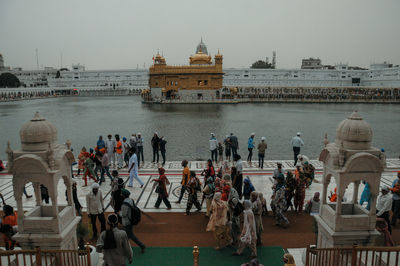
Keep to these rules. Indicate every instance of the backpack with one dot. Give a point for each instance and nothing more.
(136, 213)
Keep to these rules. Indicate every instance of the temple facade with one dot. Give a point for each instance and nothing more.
(201, 79)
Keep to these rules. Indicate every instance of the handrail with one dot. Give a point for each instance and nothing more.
(40, 257)
(354, 256)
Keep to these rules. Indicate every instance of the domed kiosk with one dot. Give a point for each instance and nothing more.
(350, 159)
(43, 162)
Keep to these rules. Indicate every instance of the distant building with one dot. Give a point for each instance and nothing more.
(381, 65)
(200, 79)
(311, 63)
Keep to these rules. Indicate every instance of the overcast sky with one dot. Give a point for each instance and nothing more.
(122, 34)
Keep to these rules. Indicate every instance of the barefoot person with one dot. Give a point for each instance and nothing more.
(193, 187)
(185, 179)
(133, 169)
(161, 189)
(280, 201)
(248, 237)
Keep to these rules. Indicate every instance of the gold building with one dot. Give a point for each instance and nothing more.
(201, 77)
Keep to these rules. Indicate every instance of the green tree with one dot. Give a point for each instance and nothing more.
(8, 80)
(261, 64)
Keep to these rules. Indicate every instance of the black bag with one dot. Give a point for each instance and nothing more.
(136, 213)
(238, 209)
(158, 189)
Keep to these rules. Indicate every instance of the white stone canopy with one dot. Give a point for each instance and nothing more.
(349, 160)
(43, 162)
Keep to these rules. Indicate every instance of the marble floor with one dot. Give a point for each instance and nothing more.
(146, 197)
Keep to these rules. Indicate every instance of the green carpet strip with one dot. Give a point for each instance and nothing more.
(177, 256)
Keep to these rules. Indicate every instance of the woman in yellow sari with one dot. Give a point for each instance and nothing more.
(218, 222)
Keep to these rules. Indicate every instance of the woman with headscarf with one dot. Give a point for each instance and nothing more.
(290, 186)
(235, 210)
(193, 186)
(114, 244)
(218, 222)
(208, 193)
(300, 190)
(263, 203)
(248, 188)
(308, 170)
(161, 189)
(280, 202)
(248, 237)
(257, 211)
(225, 192)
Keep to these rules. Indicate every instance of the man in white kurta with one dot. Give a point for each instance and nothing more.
(134, 169)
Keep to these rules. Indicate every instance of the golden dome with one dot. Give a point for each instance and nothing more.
(200, 58)
(159, 59)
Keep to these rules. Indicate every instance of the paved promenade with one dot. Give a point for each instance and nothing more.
(146, 196)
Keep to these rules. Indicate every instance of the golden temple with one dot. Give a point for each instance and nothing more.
(200, 76)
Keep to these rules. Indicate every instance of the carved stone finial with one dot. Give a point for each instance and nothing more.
(341, 154)
(10, 157)
(326, 141)
(68, 144)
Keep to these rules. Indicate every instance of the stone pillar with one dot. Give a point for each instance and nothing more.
(355, 192)
(69, 190)
(38, 195)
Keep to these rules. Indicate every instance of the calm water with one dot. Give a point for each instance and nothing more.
(187, 127)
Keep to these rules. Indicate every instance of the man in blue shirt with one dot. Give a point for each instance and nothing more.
(396, 199)
(297, 142)
(100, 143)
(250, 146)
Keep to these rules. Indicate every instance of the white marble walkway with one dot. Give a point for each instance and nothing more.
(146, 197)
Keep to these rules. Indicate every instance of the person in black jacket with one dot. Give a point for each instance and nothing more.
(163, 142)
(155, 143)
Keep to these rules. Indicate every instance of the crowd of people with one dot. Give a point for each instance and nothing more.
(319, 94)
(121, 153)
(231, 146)
(234, 206)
